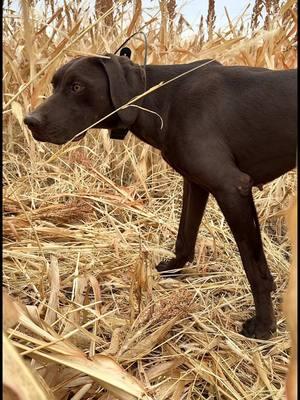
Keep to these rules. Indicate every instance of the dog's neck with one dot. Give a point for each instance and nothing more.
(159, 103)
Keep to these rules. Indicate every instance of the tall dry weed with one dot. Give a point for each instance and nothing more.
(211, 18)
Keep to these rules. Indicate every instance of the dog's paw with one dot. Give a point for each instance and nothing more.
(170, 267)
(253, 328)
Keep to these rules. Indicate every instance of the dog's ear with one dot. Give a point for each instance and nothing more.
(126, 80)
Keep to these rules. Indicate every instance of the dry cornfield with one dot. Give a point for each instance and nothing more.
(84, 225)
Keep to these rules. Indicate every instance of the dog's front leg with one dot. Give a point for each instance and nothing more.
(193, 206)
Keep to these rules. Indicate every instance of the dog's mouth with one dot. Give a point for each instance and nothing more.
(56, 140)
(38, 136)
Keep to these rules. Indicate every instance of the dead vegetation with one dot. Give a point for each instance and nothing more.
(84, 226)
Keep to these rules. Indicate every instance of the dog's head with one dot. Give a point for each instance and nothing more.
(85, 90)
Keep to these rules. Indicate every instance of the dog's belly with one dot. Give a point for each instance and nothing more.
(264, 171)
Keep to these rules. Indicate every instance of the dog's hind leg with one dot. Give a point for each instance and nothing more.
(236, 202)
(193, 206)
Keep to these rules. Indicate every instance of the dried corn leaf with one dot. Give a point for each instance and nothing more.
(19, 379)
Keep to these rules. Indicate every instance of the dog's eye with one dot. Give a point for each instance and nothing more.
(76, 87)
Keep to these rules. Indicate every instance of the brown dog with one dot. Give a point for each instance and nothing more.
(290, 304)
(226, 129)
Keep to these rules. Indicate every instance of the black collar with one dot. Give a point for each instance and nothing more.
(118, 133)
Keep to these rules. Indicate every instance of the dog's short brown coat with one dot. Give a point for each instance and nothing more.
(225, 130)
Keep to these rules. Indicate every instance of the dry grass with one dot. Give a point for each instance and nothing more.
(290, 302)
(84, 228)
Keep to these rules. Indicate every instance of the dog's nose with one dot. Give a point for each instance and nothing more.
(33, 122)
